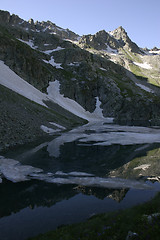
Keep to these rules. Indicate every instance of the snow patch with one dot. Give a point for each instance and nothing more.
(53, 63)
(111, 50)
(72, 106)
(143, 65)
(143, 167)
(29, 43)
(53, 50)
(151, 52)
(76, 64)
(46, 44)
(155, 52)
(53, 33)
(147, 89)
(103, 69)
(48, 130)
(98, 110)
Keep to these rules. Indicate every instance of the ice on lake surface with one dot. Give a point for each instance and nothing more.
(15, 172)
(91, 135)
(105, 135)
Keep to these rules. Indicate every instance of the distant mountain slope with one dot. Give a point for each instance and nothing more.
(118, 47)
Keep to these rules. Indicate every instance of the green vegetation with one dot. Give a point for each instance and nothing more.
(145, 75)
(135, 57)
(141, 166)
(131, 56)
(116, 225)
(136, 70)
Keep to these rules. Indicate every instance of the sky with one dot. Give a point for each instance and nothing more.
(140, 18)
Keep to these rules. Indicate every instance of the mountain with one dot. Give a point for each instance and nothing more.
(47, 195)
(110, 42)
(52, 79)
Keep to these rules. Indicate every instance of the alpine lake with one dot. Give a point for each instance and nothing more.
(74, 175)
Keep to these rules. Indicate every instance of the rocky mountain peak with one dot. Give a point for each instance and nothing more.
(121, 35)
(120, 29)
(114, 39)
(98, 41)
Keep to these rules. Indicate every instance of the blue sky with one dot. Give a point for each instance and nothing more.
(140, 18)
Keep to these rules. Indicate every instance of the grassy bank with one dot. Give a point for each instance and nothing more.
(140, 222)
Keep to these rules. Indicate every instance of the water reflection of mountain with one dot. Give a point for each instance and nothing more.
(97, 160)
(38, 193)
(115, 194)
(17, 196)
(147, 166)
(124, 161)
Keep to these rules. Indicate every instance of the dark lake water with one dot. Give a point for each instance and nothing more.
(92, 169)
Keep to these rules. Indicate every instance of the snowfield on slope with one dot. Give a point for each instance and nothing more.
(30, 43)
(12, 81)
(143, 65)
(53, 63)
(72, 106)
(48, 52)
